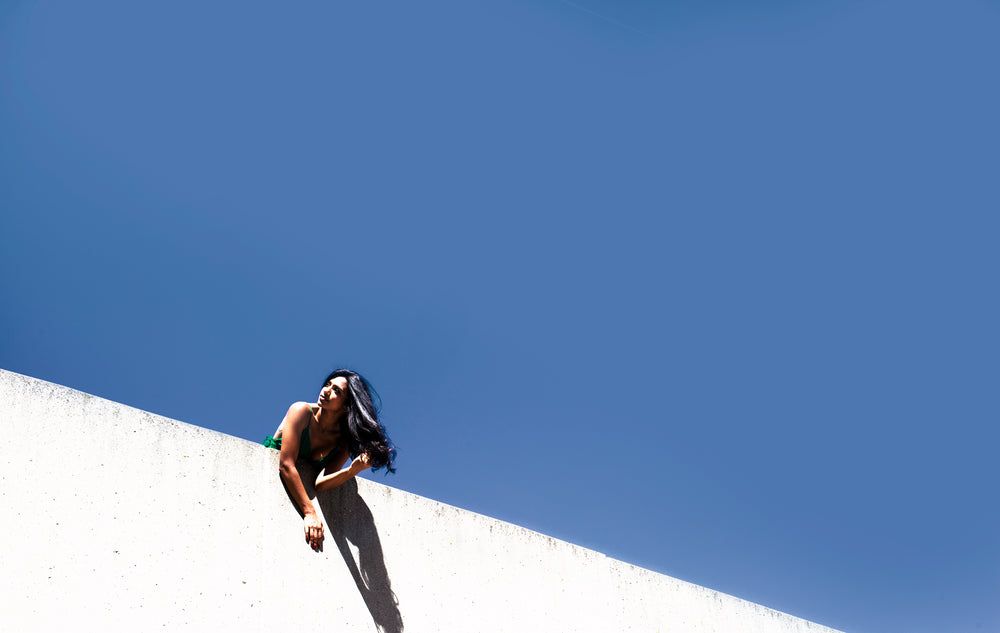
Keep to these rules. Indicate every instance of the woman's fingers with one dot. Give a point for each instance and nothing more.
(314, 532)
(317, 537)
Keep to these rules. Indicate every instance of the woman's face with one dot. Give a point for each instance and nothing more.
(333, 396)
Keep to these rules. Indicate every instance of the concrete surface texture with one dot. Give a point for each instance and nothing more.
(117, 519)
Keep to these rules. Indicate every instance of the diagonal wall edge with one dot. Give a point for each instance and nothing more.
(117, 518)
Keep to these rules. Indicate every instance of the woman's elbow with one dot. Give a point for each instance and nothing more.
(324, 484)
(286, 469)
(328, 483)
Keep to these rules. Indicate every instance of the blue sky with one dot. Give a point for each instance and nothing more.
(707, 287)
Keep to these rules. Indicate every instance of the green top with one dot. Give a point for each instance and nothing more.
(305, 447)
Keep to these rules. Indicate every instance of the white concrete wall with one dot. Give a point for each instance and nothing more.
(117, 519)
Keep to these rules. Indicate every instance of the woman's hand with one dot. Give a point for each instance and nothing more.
(361, 462)
(314, 531)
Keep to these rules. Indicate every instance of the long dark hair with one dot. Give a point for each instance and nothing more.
(359, 424)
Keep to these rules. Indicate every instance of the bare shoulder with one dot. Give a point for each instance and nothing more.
(300, 407)
(298, 414)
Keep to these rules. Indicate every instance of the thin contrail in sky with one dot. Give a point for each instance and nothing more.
(604, 17)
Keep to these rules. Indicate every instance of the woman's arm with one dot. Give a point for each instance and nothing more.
(296, 420)
(329, 482)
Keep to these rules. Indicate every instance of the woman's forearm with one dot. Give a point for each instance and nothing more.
(329, 482)
(290, 476)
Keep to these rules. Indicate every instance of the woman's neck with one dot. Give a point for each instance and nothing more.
(326, 420)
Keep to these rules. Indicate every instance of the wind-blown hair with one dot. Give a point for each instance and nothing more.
(360, 426)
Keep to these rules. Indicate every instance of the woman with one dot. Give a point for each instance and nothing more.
(343, 423)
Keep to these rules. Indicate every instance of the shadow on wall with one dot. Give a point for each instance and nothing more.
(349, 522)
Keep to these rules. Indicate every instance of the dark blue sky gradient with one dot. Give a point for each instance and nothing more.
(710, 288)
